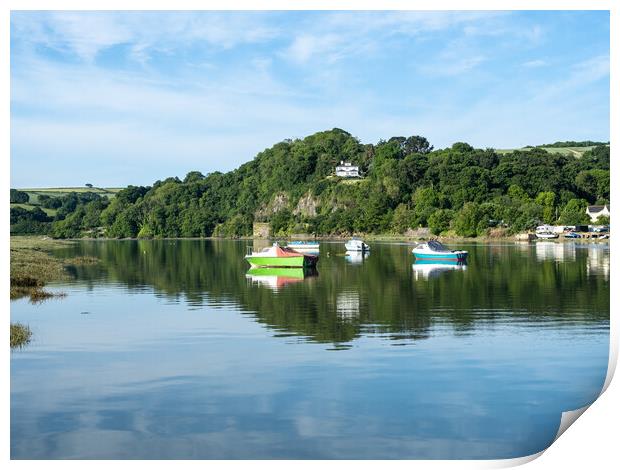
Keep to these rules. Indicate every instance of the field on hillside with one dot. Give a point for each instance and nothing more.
(575, 151)
(56, 192)
(50, 212)
(34, 193)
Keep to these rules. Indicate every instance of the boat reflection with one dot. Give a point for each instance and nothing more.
(348, 305)
(356, 257)
(426, 269)
(555, 251)
(598, 263)
(276, 278)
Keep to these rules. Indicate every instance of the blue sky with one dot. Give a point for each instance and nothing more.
(117, 98)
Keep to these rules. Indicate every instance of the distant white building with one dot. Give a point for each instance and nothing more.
(347, 170)
(594, 212)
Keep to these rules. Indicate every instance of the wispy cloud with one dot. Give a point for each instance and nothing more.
(88, 33)
(534, 63)
(162, 93)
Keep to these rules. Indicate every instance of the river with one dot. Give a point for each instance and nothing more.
(169, 349)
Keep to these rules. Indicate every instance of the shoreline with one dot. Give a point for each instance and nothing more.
(334, 238)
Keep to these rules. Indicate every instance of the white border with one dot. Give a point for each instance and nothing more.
(591, 442)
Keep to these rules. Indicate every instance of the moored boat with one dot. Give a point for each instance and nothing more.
(278, 257)
(304, 246)
(546, 235)
(355, 244)
(434, 250)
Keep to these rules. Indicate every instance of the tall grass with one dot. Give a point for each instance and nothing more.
(20, 335)
(32, 266)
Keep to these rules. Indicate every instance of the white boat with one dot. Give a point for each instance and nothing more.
(546, 235)
(355, 244)
(304, 246)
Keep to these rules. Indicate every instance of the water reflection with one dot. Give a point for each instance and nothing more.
(185, 354)
(276, 278)
(425, 269)
(555, 281)
(356, 257)
(598, 263)
(348, 305)
(558, 251)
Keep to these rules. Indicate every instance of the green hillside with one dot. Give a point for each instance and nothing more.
(570, 150)
(292, 186)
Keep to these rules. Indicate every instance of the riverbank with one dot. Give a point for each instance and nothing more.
(33, 266)
(368, 237)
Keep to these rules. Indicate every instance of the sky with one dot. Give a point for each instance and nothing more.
(117, 98)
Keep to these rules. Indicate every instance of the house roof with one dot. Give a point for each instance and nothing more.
(596, 209)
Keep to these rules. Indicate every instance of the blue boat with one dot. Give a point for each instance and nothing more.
(435, 251)
(572, 235)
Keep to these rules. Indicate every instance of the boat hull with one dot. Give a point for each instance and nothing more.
(303, 246)
(453, 257)
(301, 261)
(547, 236)
(356, 247)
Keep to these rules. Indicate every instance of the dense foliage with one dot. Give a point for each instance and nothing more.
(406, 185)
(19, 197)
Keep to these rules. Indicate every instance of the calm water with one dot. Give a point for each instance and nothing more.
(168, 350)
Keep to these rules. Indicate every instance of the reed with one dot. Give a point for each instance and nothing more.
(20, 335)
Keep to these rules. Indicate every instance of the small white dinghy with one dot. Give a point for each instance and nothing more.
(355, 244)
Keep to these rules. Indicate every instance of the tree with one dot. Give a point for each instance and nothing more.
(19, 197)
(88, 185)
(193, 177)
(574, 213)
(417, 144)
(468, 219)
(426, 201)
(462, 147)
(440, 220)
(546, 199)
(402, 218)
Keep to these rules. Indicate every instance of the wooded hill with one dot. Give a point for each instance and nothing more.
(405, 184)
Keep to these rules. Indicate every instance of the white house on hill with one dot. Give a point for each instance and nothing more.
(597, 211)
(346, 170)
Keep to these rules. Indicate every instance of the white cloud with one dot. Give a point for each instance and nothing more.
(87, 33)
(534, 63)
(347, 34)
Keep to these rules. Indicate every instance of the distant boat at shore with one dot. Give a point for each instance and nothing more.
(546, 235)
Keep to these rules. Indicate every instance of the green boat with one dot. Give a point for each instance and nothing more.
(278, 257)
